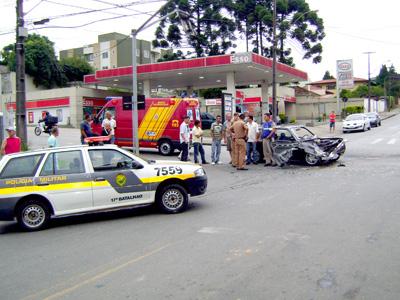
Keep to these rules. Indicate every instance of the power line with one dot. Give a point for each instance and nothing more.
(36, 5)
(80, 7)
(118, 5)
(101, 9)
(365, 38)
(86, 24)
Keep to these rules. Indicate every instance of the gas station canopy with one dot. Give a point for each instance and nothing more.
(198, 73)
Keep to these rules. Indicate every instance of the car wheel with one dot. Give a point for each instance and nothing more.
(344, 131)
(172, 199)
(369, 128)
(364, 128)
(311, 159)
(38, 131)
(380, 124)
(165, 147)
(33, 215)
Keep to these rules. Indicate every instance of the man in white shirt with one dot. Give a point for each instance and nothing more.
(252, 139)
(184, 135)
(110, 121)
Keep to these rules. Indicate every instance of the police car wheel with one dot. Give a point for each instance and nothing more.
(165, 147)
(33, 215)
(173, 199)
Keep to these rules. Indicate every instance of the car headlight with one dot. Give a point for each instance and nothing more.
(199, 172)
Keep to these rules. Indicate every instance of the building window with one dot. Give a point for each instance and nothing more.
(137, 52)
(104, 55)
(146, 54)
(89, 57)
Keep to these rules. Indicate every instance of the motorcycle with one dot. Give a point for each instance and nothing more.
(41, 127)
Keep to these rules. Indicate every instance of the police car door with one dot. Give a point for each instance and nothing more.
(65, 181)
(115, 182)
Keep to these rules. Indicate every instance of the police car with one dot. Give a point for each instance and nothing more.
(38, 185)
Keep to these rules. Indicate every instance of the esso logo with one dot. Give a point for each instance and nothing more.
(345, 66)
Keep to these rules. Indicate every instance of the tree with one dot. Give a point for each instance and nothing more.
(75, 68)
(213, 31)
(40, 61)
(297, 27)
(327, 76)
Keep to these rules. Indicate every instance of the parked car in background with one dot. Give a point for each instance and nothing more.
(374, 119)
(356, 122)
(206, 120)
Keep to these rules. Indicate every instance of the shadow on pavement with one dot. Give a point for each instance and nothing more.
(137, 212)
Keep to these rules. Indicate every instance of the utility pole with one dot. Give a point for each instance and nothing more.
(20, 74)
(369, 78)
(274, 104)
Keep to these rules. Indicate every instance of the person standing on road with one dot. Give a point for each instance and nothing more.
(197, 138)
(86, 130)
(12, 144)
(235, 119)
(268, 133)
(216, 135)
(252, 139)
(332, 121)
(239, 129)
(52, 141)
(113, 124)
(184, 135)
(227, 135)
(107, 131)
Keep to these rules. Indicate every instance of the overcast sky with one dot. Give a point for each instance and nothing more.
(352, 27)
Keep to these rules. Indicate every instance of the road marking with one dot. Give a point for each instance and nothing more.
(345, 140)
(377, 141)
(392, 142)
(104, 274)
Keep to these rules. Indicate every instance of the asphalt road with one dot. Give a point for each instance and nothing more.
(329, 232)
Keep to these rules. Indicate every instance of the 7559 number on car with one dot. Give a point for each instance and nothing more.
(168, 171)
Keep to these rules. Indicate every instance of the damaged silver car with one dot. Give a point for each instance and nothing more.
(299, 144)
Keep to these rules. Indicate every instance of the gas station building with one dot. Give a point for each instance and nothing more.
(230, 71)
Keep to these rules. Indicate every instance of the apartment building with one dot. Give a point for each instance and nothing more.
(113, 50)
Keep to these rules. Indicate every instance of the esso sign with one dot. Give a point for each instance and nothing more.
(241, 58)
(344, 66)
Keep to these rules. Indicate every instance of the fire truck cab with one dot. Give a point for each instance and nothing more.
(159, 120)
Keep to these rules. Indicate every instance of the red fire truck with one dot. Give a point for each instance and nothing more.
(159, 120)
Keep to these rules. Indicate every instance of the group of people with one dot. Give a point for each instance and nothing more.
(108, 126)
(240, 134)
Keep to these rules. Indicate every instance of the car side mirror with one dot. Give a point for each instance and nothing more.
(136, 165)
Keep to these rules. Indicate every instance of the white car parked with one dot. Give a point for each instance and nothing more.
(356, 122)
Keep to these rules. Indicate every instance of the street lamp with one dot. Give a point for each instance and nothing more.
(186, 25)
(274, 102)
(369, 79)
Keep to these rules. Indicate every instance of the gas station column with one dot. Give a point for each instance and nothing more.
(230, 84)
(146, 88)
(264, 97)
